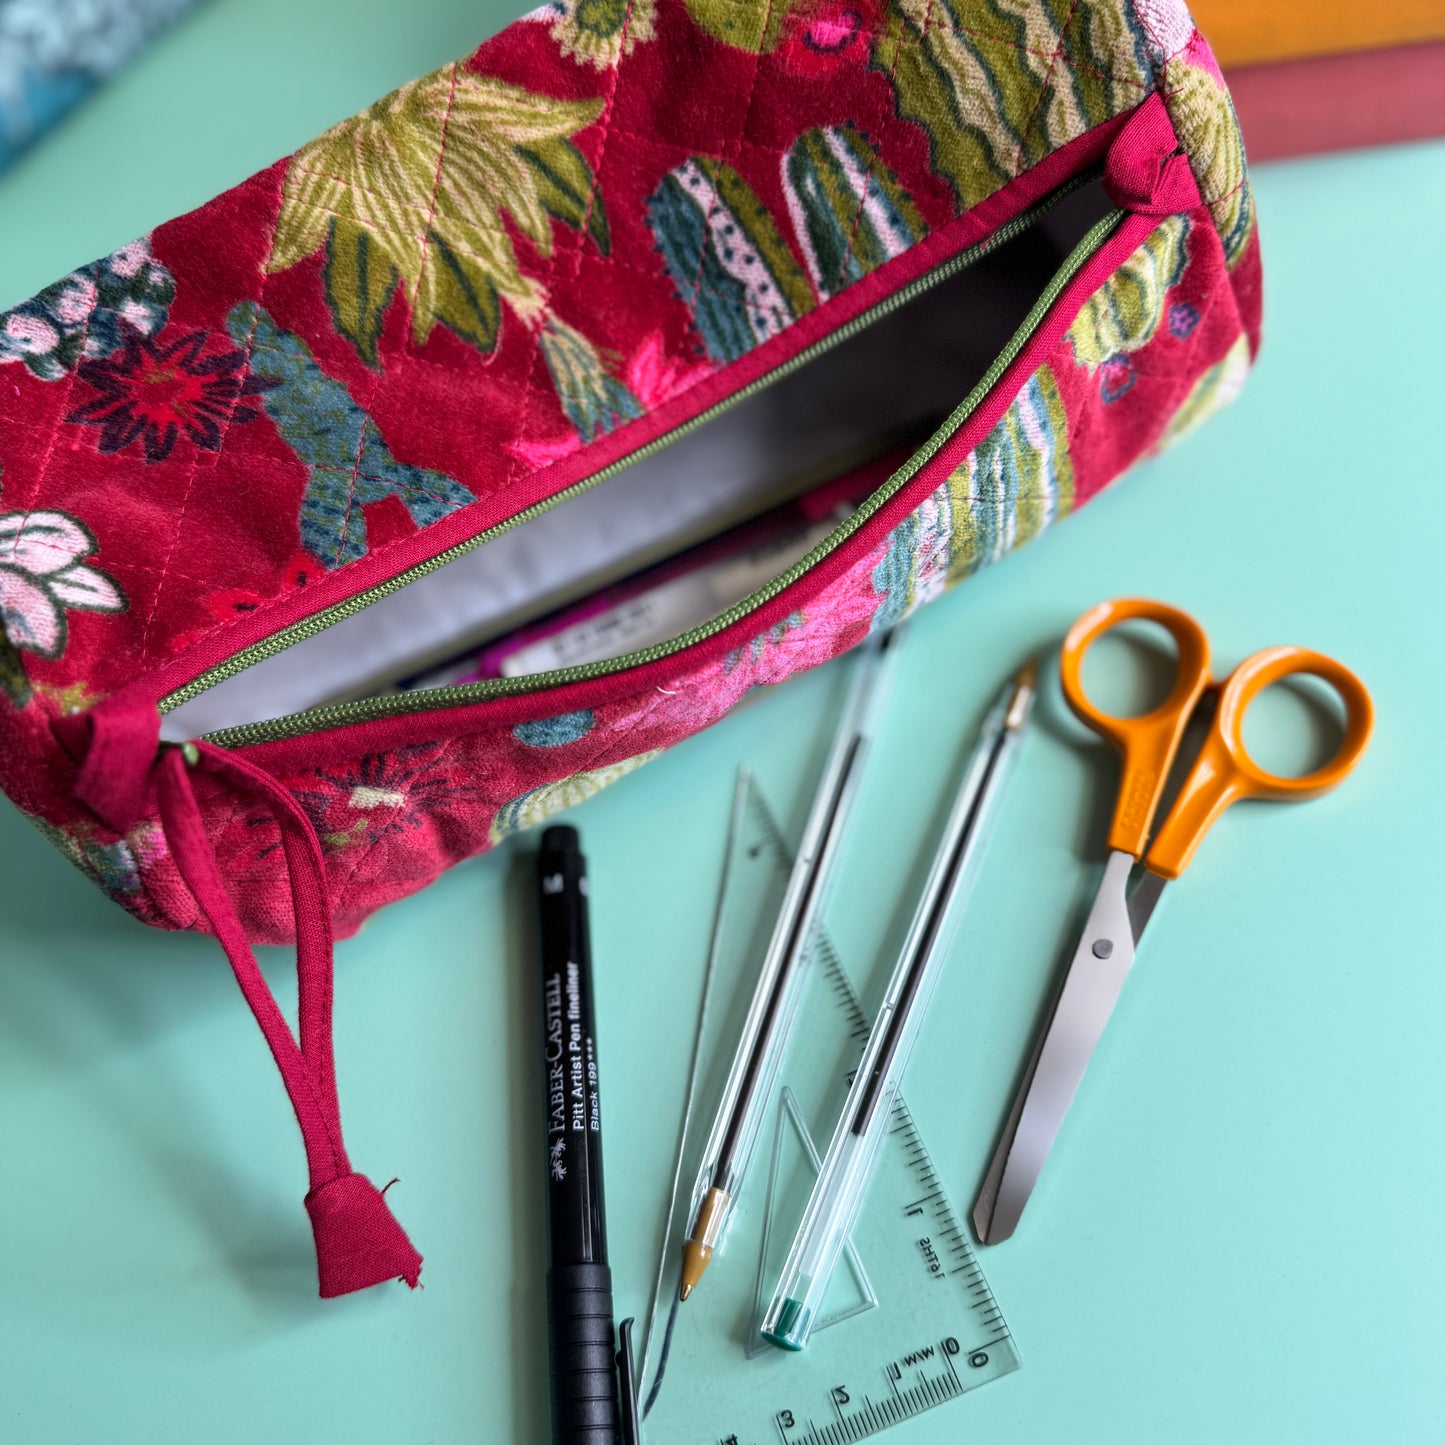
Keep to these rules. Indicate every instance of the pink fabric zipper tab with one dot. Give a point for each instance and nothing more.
(116, 748)
(122, 765)
(1145, 171)
(358, 1242)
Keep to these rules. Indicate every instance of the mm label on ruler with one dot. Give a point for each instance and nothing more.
(909, 1323)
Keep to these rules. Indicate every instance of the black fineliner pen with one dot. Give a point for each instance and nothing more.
(579, 1282)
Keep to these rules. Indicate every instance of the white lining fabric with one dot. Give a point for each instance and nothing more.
(905, 372)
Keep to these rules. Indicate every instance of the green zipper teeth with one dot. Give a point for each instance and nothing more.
(364, 709)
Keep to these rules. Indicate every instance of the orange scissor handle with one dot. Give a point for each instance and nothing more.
(1224, 772)
(1146, 744)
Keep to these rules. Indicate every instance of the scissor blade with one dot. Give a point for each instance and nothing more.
(1061, 1053)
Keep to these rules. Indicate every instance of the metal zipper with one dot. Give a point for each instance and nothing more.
(365, 709)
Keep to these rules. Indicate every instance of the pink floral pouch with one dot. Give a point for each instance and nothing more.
(627, 278)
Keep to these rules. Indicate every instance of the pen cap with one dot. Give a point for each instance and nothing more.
(802, 1288)
(573, 1115)
(561, 851)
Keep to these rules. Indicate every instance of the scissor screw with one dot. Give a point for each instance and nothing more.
(1103, 947)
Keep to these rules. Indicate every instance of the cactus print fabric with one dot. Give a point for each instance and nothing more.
(513, 273)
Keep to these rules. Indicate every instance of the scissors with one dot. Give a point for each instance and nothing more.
(1137, 870)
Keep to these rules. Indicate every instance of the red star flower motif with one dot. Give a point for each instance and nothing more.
(152, 392)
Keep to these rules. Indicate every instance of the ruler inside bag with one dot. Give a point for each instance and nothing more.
(910, 1323)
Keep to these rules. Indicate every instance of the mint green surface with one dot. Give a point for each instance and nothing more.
(1238, 1235)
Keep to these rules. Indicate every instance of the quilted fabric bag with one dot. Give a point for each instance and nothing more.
(629, 274)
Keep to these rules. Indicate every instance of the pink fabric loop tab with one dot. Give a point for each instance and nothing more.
(358, 1243)
(1145, 171)
(116, 750)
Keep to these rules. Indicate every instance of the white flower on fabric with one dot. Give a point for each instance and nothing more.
(1167, 23)
(75, 303)
(89, 313)
(30, 333)
(130, 258)
(42, 574)
(135, 313)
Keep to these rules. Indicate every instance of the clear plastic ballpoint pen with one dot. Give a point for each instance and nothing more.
(775, 998)
(842, 1182)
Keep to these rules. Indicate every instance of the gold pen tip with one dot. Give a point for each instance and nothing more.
(1021, 698)
(705, 1231)
(695, 1259)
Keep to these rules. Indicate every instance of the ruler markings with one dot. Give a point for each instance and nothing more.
(919, 1377)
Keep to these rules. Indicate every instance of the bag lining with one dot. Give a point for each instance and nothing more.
(899, 376)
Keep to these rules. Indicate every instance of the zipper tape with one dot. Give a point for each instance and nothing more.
(367, 709)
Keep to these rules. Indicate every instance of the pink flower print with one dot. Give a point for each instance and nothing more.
(1116, 376)
(30, 335)
(75, 303)
(838, 618)
(540, 454)
(932, 548)
(130, 258)
(650, 376)
(42, 574)
(88, 313)
(135, 314)
(653, 378)
(819, 38)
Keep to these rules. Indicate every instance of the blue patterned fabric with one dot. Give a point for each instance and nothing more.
(53, 53)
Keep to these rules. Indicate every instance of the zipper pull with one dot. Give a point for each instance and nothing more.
(115, 747)
(1146, 170)
(358, 1240)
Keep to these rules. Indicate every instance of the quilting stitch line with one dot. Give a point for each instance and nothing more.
(1044, 86)
(51, 443)
(435, 186)
(604, 124)
(225, 429)
(876, 154)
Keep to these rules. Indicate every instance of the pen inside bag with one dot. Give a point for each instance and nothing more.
(662, 597)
